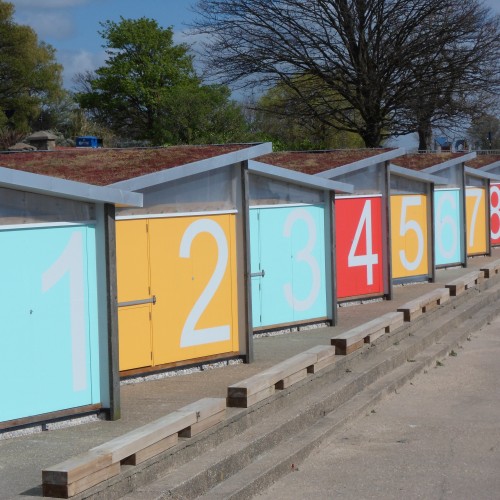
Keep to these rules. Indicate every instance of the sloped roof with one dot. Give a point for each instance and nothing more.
(421, 161)
(314, 162)
(482, 160)
(102, 167)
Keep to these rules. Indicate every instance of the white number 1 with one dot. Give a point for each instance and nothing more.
(71, 261)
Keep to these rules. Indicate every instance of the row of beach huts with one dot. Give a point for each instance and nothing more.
(120, 262)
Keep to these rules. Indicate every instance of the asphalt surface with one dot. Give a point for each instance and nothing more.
(22, 458)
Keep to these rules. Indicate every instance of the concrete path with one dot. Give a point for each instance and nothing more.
(438, 438)
(23, 457)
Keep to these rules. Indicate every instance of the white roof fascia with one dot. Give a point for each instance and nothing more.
(310, 181)
(492, 166)
(450, 163)
(197, 167)
(416, 175)
(365, 162)
(474, 172)
(63, 188)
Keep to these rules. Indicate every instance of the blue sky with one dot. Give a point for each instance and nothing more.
(72, 26)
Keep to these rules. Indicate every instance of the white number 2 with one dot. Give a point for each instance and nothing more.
(190, 336)
(71, 261)
(411, 225)
(370, 259)
(305, 255)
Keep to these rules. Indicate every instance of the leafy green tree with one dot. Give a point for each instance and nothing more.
(148, 88)
(30, 78)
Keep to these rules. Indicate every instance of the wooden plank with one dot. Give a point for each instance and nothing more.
(151, 451)
(205, 407)
(76, 468)
(204, 424)
(343, 347)
(325, 357)
(147, 435)
(292, 365)
(247, 401)
(251, 385)
(72, 489)
(291, 379)
(491, 269)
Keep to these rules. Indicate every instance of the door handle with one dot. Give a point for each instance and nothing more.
(151, 300)
(260, 273)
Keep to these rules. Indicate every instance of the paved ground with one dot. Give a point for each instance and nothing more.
(438, 438)
(23, 458)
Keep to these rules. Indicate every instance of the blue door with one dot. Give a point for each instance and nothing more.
(287, 245)
(49, 356)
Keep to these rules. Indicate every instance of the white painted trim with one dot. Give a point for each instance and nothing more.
(286, 205)
(176, 214)
(46, 225)
(374, 195)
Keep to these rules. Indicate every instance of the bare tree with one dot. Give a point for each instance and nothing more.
(369, 61)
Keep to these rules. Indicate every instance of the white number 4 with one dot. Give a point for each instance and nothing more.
(369, 259)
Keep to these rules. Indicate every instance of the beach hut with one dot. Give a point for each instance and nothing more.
(291, 228)
(58, 356)
(490, 164)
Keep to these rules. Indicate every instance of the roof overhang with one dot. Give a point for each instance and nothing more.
(416, 175)
(450, 163)
(306, 180)
(197, 167)
(492, 166)
(365, 162)
(474, 172)
(62, 188)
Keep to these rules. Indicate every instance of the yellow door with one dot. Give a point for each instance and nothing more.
(134, 295)
(193, 276)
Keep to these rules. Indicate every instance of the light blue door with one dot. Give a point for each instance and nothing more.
(49, 356)
(447, 227)
(288, 264)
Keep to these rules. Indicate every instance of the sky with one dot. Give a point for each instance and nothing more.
(72, 26)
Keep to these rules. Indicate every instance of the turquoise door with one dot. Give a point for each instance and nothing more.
(288, 264)
(49, 354)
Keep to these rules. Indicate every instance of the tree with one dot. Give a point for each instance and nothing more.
(369, 54)
(286, 121)
(484, 132)
(148, 89)
(462, 79)
(29, 76)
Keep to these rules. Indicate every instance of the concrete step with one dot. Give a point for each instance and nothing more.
(257, 445)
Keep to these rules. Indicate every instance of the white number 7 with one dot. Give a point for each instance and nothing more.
(477, 194)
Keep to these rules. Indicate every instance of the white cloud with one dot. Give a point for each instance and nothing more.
(79, 62)
(56, 25)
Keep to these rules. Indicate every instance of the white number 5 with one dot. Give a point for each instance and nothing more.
(411, 225)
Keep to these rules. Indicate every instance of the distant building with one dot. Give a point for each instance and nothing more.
(43, 141)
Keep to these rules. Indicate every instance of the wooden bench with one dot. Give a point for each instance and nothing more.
(425, 303)
(353, 339)
(491, 269)
(278, 377)
(459, 285)
(80, 473)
